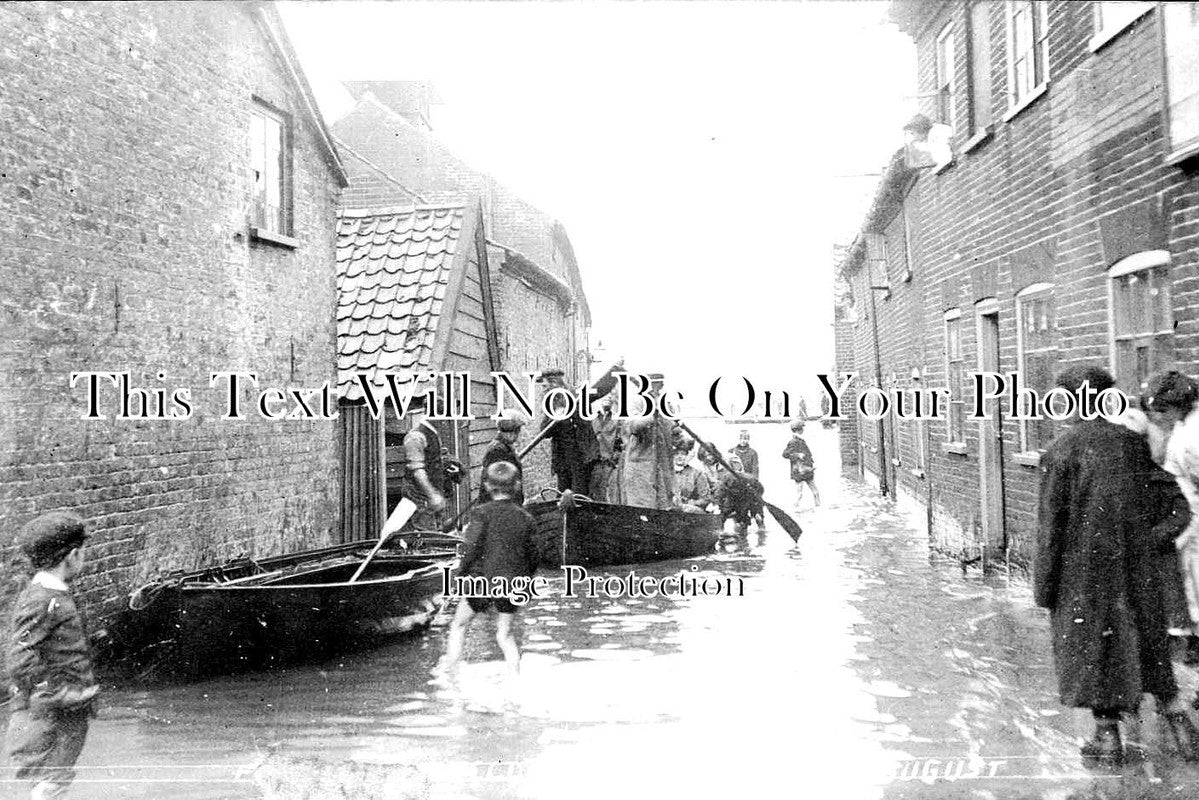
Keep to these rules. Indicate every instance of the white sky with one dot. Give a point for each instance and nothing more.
(690, 149)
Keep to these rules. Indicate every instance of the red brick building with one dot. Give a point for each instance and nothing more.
(541, 312)
(1064, 228)
(170, 198)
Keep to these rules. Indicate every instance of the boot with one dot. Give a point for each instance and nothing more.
(1183, 734)
(1105, 746)
(1191, 658)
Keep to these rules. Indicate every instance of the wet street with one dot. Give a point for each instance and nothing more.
(856, 665)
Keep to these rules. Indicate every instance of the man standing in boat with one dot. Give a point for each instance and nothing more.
(575, 450)
(423, 481)
(605, 477)
(647, 471)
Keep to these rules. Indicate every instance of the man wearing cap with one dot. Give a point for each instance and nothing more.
(575, 450)
(502, 449)
(423, 481)
(1106, 513)
(51, 682)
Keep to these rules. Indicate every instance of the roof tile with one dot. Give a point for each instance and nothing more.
(393, 271)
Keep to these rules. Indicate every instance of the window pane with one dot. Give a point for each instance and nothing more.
(1162, 307)
(980, 65)
(1039, 372)
(1181, 21)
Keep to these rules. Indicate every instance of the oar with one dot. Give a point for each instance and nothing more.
(399, 517)
(781, 517)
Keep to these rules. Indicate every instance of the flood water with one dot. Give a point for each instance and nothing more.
(855, 665)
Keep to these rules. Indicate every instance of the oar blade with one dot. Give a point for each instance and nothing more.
(785, 522)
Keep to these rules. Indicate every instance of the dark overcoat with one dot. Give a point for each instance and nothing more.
(1107, 512)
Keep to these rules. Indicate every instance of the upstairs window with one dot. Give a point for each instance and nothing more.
(980, 67)
(1028, 50)
(1036, 346)
(1142, 317)
(270, 207)
(945, 76)
(955, 372)
(1181, 24)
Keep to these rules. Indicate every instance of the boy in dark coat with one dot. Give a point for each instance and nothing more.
(1106, 512)
(739, 496)
(502, 448)
(50, 676)
(499, 544)
(803, 471)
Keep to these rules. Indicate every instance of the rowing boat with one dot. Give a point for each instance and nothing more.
(593, 534)
(298, 606)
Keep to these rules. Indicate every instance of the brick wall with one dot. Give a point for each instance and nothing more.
(124, 171)
(1036, 202)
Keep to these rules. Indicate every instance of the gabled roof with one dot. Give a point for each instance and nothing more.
(394, 268)
(893, 186)
(276, 33)
(370, 133)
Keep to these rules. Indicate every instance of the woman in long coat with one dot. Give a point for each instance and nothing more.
(1106, 512)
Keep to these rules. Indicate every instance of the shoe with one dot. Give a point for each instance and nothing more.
(1105, 746)
(1191, 659)
(1184, 735)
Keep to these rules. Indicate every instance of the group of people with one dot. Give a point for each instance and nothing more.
(1117, 555)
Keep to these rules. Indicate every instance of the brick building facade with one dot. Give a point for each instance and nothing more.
(542, 316)
(170, 197)
(1063, 229)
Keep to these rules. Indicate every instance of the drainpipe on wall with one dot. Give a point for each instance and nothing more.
(883, 486)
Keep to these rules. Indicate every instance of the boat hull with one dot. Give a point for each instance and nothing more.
(604, 534)
(196, 625)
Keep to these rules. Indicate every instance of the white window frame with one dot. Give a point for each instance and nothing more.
(1180, 149)
(979, 129)
(954, 315)
(282, 223)
(944, 75)
(1039, 33)
(1137, 262)
(1037, 291)
(1112, 18)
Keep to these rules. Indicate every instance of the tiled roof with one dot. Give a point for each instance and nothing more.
(393, 268)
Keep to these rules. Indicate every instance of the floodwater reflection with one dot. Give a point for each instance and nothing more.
(855, 666)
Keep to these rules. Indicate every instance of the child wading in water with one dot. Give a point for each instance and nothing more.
(803, 471)
(499, 543)
(739, 496)
(49, 660)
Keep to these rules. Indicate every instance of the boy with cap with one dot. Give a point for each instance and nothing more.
(803, 471)
(739, 496)
(52, 685)
(499, 544)
(502, 449)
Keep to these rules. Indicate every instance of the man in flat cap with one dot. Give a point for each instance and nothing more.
(503, 448)
(576, 451)
(1107, 511)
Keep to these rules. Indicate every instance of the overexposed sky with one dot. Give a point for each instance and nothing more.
(692, 150)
